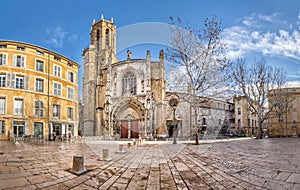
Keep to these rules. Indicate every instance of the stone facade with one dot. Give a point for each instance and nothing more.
(128, 98)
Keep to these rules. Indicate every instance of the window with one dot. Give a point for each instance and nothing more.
(39, 52)
(70, 113)
(107, 38)
(57, 89)
(39, 85)
(2, 80)
(129, 83)
(57, 70)
(280, 118)
(2, 127)
(20, 48)
(239, 111)
(2, 105)
(38, 129)
(56, 58)
(70, 64)
(18, 107)
(71, 76)
(70, 93)
(39, 65)
(19, 61)
(203, 121)
(3, 46)
(19, 82)
(56, 110)
(39, 108)
(239, 123)
(3, 58)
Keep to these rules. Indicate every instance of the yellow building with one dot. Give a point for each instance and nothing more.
(286, 124)
(38, 92)
(245, 122)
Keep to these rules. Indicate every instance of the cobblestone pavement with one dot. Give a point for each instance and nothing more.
(241, 164)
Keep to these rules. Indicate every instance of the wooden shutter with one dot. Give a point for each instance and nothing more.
(14, 60)
(26, 128)
(23, 61)
(13, 80)
(26, 83)
(4, 58)
(8, 75)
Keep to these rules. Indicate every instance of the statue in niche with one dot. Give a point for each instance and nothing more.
(129, 54)
(161, 54)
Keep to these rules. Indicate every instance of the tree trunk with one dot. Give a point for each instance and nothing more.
(197, 139)
(259, 134)
(196, 119)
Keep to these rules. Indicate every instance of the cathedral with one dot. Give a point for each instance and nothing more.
(128, 98)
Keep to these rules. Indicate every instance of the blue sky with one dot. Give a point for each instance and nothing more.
(251, 28)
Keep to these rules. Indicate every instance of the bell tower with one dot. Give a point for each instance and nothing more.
(103, 35)
(100, 52)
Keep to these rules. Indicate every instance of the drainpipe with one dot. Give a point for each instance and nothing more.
(48, 96)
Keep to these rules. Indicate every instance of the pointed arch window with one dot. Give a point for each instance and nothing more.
(203, 121)
(107, 38)
(129, 83)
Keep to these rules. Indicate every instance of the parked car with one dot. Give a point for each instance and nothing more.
(230, 134)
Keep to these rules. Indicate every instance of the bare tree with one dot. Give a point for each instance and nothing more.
(200, 56)
(257, 82)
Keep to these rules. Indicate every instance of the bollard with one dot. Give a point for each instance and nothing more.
(78, 167)
(121, 149)
(105, 155)
(128, 145)
(134, 143)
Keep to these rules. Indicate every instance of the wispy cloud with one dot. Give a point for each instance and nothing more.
(72, 37)
(253, 35)
(56, 36)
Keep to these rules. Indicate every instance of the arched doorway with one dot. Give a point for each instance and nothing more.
(130, 127)
(129, 113)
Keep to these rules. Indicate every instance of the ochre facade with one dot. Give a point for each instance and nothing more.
(245, 122)
(287, 124)
(38, 92)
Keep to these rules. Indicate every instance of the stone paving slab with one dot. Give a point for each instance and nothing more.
(228, 164)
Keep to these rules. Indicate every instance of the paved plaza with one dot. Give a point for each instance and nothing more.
(224, 164)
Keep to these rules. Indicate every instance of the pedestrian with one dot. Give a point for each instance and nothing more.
(69, 135)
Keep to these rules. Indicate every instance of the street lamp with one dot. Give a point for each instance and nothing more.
(173, 103)
(153, 119)
(108, 112)
(295, 127)
(294, 124)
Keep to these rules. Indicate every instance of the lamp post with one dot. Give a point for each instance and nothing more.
(294, 127)
(108, 112)
(294, 123)
(173, 103)
(153, 119)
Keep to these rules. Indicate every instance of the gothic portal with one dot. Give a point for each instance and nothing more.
(121, 98)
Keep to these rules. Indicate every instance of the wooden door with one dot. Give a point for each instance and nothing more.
(124, 129)
(135, 129)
